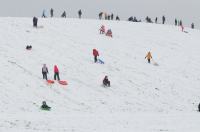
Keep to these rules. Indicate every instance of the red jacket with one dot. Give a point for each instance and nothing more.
(95, 52)
(56, 69)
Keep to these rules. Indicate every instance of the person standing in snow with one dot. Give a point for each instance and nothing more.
(106, 82)
(176, 22)
(100, 15)
(51, 12)
(95, 54)
(112, 16)
(149, 57)
(156, 20)
(56, 73)
(199, 107)
(79, 13)
(163, 19)
(35, 20)
(44, 71)
(192, 25)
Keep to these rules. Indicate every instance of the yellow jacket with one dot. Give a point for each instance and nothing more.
(148, 56)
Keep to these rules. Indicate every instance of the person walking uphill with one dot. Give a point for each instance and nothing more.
(44, 71)
(95, 54)
(56, 73)
(149, 57)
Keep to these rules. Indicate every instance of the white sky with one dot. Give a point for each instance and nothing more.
(187, 10)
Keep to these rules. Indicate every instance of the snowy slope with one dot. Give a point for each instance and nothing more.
(142, 97)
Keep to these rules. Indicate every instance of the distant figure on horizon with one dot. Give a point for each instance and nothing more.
(105, 15)
(44, 14)
(79, 13)
(176, 22)
(112, 16)
(156, 20)
(149, 57)
(100, 15)
(35, 21)
(163, 19)
(51, 12)
(28, 47)
(63, 14)
(117, 18)
(199, 107)
(192, 25)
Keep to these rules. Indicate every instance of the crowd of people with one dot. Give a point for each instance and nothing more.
(106, 16)
(108, 32)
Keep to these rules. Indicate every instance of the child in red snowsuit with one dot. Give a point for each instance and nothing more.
(102, 29)
(95, 54)
(56, 73)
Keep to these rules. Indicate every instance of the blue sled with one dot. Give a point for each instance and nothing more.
(100, 61)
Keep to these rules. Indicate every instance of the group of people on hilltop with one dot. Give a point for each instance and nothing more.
(105, 16)
(133, 19)
(28, 47)
(44, 13)
(149, 20)
(45, 72)
(103, 31)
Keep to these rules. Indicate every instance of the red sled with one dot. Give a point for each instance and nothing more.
(63, 82)
(50, 81)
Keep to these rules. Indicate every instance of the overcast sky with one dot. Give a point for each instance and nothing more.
(187, 10)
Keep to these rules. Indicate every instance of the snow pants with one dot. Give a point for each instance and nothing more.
(149, 61)
(95, 59)
(44, 75)
(56, 74)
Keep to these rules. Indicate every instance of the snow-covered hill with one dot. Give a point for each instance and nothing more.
(142, 97)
